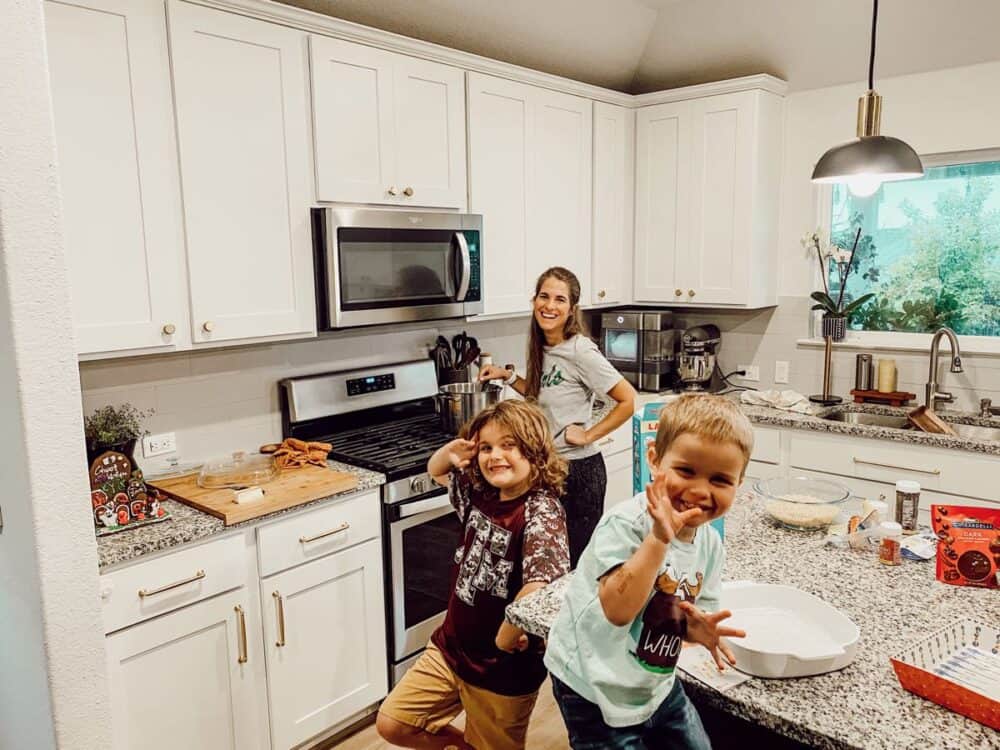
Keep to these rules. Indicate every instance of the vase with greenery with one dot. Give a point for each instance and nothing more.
(836, 314)
(114, 428)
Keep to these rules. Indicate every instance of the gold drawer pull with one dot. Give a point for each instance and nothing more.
(143, 593)
(280, 607)
(935, 472)
(343, 527)
(241, 617)
(606, 441)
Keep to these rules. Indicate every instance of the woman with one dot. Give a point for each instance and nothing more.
(565, 371)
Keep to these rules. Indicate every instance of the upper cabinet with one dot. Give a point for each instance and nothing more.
(116, 157)
(530, 167)
(241, 96)
(614, 154)
(389, 128)
(707, 182)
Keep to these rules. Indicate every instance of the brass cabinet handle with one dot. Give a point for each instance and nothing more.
(407, 191)
(169, 329)
(343, 527)
(143, 593)
(208, 326)
(678, 292)
(934, 472)
(606, 441)
(601, 294)
(393, 190)
(280, 607)
(242, 619)
(690, 292)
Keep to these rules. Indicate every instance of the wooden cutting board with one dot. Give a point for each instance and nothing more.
(292, 487)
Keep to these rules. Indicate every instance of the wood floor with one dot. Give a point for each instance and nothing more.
(545, 732)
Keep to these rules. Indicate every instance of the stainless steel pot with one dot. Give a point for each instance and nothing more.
(460, 402)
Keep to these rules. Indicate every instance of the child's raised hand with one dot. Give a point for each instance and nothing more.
(704, 628)
(461, 452)
(666, 521)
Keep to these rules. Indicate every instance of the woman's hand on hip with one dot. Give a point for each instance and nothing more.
(576, 435)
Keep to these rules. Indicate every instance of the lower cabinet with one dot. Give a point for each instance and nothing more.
(619, 467)
(186, 680)
(324, 639)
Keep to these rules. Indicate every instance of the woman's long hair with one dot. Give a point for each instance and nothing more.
(536, 339)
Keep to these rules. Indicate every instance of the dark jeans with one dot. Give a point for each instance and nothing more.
(583, 500)
(675, 724)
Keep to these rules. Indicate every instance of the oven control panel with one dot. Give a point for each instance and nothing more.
(371, 384)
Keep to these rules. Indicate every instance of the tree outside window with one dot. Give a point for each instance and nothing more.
(929, 251)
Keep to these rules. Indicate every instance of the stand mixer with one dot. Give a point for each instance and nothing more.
(699, 346)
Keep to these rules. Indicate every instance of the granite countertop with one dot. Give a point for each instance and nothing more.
(188, 524)
(863, 705)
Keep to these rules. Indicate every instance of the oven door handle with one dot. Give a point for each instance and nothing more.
(462, 283)
(424, 506)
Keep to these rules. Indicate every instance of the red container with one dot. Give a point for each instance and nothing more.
(914, 667)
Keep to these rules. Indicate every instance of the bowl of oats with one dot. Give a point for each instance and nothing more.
(802, 503)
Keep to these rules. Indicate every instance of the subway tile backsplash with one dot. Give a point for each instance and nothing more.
(225, 400)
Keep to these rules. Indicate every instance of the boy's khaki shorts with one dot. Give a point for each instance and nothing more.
(430, 695)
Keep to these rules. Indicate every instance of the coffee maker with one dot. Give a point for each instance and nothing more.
(697, 367)
(642, 345)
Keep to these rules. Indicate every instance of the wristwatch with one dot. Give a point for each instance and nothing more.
(512, 378)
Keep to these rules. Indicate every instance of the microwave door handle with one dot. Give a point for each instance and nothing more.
(466, 277)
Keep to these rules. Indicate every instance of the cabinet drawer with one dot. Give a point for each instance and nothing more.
(308, 536)
(766, 445)
(619, 440)
(951, 471)
(154, 587)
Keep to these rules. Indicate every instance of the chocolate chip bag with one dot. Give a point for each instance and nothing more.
(969, 550)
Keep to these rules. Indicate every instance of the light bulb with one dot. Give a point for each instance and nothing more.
(863, 185)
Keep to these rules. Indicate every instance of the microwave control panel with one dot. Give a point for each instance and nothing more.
(371, 384)
(472, 240)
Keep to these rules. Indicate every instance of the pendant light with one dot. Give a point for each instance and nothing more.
(871, 159)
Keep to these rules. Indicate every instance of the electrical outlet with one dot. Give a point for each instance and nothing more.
(780, 371)
(752, 372)
(157, 445)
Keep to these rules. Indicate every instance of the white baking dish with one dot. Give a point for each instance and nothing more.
(789, 633)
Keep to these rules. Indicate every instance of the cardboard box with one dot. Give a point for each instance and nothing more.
(645, 421)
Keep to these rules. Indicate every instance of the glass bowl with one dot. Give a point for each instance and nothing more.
(802, 503)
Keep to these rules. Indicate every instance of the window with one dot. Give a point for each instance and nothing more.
(929, 250)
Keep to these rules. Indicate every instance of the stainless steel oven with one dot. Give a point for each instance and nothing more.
(381, 266)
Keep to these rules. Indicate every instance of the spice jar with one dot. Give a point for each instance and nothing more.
(907, 504)
(889, 545)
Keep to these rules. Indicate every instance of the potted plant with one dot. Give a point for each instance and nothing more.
(115, 428)
(836, 315)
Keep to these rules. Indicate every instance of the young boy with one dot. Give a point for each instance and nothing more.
(614, 645)
(504, 482)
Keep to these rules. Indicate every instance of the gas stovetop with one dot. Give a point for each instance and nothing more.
(397, 449)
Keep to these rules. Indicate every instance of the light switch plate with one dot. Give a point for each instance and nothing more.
(780, 371)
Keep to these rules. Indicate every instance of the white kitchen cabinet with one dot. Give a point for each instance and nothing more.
(707, 183)
(186, 679)
(242, 109)
(388, 128)
(616, 448)
(324, 636)
(117, 165)
(530, 152)
(614, 147)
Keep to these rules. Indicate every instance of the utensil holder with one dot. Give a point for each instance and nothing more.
(453, 375)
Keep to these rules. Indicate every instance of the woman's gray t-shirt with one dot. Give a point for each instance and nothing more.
(573, 372)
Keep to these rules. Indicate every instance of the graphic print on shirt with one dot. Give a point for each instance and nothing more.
(553, 377)
(482, 563)
(659, 634)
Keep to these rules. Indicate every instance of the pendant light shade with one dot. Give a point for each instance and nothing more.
(871, 159)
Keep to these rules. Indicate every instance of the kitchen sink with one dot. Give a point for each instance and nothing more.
(860, 417)
(975, 432)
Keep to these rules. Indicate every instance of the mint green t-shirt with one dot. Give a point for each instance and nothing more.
(628, 671)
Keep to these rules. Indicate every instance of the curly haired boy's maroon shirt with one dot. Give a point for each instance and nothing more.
(504, 545)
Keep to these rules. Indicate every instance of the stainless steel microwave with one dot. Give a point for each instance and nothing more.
(379, 266)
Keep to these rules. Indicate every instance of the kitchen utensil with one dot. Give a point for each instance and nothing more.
(460, 343)
(789, 633)
(289, 489)
(802, 503)
(471, 355)
(237, 471)
(460, 402)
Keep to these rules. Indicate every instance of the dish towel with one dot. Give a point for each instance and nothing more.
(786, 400)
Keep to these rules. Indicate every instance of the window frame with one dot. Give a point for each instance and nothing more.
(903, 340)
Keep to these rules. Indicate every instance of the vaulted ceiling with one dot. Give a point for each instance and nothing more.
(647, 45)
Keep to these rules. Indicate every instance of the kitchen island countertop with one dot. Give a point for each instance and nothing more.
(187, 524)
(862, 706)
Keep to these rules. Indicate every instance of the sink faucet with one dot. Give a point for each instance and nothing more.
(931, 393)
(987, 409)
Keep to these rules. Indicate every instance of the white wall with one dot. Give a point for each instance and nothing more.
(53, 687)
